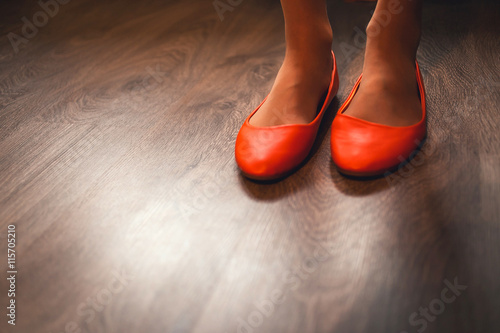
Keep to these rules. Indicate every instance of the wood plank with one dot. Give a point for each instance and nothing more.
(117, 129)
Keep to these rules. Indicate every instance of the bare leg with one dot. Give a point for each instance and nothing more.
(388, 93)
(306, 71)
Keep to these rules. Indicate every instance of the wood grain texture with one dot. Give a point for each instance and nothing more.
(117, 128)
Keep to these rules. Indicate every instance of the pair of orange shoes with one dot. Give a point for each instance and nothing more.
(359, 148)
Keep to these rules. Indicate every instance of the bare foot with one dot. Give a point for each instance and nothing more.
(299, 88)
(388, 93)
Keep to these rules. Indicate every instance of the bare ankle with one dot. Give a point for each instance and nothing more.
(313, 38)
(394, 31)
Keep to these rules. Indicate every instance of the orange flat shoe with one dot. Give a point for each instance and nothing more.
(269, 153)
(362, 148)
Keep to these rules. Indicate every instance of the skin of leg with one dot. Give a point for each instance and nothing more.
(388, 93)
(305, 74)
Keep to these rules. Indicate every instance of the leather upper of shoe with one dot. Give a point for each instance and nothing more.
(271, 152)
(362, 147)
(267, 152)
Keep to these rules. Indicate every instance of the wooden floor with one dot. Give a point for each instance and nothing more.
(117, 128)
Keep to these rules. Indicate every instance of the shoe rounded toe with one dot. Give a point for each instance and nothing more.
(271, 153)
(362, 149)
